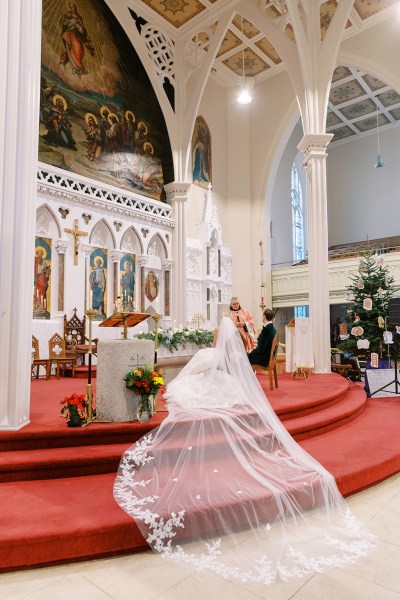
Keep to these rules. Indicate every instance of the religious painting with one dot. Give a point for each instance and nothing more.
(151, 286)
(99, 115)
(41, 278)
(201, 153)
(98, 283)
(127, 269)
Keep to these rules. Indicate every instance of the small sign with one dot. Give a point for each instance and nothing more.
(374, 360)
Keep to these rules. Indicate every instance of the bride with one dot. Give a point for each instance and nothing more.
(220, 484)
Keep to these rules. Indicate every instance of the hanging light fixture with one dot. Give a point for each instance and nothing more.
(244, 96)
(379, 160)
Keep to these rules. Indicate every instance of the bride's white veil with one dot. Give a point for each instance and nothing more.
(221, 485)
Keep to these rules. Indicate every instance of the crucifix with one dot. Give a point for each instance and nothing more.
(76, 233)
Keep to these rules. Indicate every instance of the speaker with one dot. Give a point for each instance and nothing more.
(394, 312)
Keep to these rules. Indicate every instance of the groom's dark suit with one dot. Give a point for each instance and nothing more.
(260, 354)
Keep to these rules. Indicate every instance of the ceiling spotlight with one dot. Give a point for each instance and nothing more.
(244, 96)
(379, 160)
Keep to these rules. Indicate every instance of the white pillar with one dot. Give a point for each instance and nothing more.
(177, 197)
(61, 247)
(314, 148)
(20, 35)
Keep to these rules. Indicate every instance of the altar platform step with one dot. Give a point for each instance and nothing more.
(64, 518)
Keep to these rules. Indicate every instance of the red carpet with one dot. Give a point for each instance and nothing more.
(56, 501)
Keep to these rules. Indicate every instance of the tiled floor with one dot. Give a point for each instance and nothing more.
(146, 576)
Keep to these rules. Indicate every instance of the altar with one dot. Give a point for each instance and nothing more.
(114, 359)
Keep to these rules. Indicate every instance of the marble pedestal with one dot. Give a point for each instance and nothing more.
(114, 359)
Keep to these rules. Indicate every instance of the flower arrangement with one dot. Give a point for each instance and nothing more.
(173, 338)
(144, 381)
(74, 407)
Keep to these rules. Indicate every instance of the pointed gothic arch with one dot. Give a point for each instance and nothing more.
(131, 241)
(100, 231)
(46, 215)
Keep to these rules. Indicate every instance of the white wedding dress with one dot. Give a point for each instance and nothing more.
(221, 485)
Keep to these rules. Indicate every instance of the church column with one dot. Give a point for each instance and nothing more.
(61, 248)
(142, 261)
(314, 148)
(166, 265)
(115, 257)
(86, 251)
(20, 35)
(177, 197)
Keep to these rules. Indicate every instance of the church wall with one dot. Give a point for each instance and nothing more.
(119, 232)
(362, 200)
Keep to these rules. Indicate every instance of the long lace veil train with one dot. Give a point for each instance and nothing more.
(221, 485)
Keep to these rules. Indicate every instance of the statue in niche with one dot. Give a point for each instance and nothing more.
(153, 249)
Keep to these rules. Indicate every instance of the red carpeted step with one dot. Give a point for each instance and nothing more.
(60, 462)
(58, 520)
(333, 416)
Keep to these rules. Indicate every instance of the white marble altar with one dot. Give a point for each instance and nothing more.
(114, 359)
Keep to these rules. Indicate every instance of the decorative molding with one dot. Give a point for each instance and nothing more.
(73, 189)
(177, 190)
(61, 246)
(86, 250)
(193, 262)
(116, 255)
(166, 264)
(142, 260)
(194, 288)
(86, 217)
(160, 50)
(64, 212)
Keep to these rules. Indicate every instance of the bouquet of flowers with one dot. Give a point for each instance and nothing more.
(144, 381)
(74, 408)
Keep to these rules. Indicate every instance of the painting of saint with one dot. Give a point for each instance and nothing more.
(98, 283)
(99, 114)
(41, 278)
(75, 39)
(127, 280)
(151, 286)
(201, 153)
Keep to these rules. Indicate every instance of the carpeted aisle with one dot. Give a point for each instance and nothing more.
(56, 501)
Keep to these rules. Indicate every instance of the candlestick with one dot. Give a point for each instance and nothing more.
(156, 317)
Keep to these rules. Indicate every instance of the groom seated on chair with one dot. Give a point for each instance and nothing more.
(261, 353)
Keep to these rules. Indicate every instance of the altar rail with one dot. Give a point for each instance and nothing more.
(290, 286)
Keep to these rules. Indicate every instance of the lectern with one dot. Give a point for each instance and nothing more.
(125, 320)
(299, 349)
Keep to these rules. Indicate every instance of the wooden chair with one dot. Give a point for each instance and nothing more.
(58, 356)
(38, 362)
(271, 368)
(74, 334)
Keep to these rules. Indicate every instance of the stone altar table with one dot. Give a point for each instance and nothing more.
(114, 359)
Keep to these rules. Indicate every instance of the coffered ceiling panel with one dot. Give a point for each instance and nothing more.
(176, 12)
(253, 64)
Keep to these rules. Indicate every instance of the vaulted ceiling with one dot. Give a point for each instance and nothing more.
(357, 98)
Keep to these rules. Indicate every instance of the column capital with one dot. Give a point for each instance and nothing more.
(61, 246)
(177, 190)
(142, 260)
(166, 264)
(86, 250)
(116, 255)
(314, 145)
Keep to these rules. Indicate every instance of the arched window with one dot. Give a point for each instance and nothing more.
(297, 216)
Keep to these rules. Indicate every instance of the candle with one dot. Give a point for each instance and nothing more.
(91, 299)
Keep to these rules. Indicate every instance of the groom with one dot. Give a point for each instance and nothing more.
(260, 354)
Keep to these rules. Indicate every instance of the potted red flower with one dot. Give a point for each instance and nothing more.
(74, 409)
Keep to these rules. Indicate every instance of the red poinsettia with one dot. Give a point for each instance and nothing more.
(74, 405)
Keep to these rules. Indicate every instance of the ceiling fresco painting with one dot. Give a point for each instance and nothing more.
(99, 116)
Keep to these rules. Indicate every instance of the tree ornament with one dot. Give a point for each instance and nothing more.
(360, 284)
(367, 303)
(363, 344)
(388, 337)
(381, 322)
(380, 292)
(357, 330)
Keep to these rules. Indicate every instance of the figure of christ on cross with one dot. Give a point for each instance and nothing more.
(77, 234)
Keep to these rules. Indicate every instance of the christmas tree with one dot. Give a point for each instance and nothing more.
(370, 291)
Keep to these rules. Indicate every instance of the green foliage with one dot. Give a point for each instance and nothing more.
(371, 281)
(173, 338)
